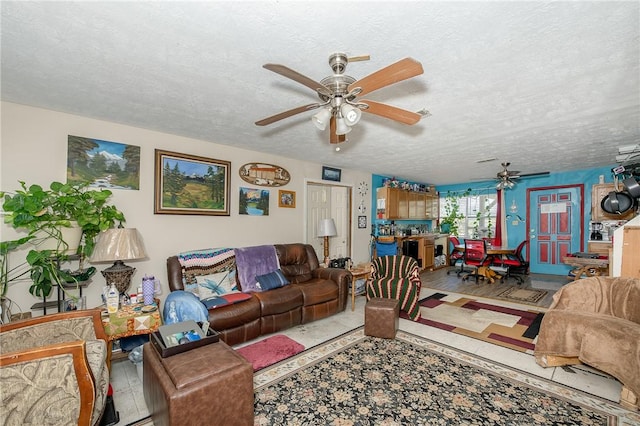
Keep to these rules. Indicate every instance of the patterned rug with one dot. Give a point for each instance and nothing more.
(511, 328)
(360, 380)
(522, 295)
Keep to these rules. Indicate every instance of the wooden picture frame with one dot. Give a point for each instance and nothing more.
(330, 173)
(189, 184)
(286, 199)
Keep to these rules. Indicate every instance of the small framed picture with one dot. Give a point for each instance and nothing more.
(329, 173)
(362, 222)
(70, 305)
(286, 199)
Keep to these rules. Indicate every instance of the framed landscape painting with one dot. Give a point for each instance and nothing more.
(102, 164)
(188, 184)
(253, 202)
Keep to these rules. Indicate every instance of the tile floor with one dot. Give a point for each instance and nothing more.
(129, 401)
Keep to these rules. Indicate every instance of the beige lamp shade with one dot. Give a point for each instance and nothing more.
(118, 244)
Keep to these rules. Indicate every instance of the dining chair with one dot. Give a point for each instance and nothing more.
(516, 264)
(475, 257)
(456, 256)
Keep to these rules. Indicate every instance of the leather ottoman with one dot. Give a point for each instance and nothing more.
(211, 384)
(381, 317)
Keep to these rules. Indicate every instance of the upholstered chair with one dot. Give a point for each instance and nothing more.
(595, 321)
(396, 277)
(53, 369)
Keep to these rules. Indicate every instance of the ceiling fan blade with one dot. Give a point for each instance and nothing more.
(401, 70)
(285, 114)
(391, 112)
(534, 174)
(296, 76)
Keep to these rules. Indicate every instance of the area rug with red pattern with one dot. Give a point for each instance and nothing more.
(505, 326)
(270, 350)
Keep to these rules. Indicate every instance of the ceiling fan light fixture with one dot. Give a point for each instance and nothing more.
(321, 118)
(350, 114)
(341, 126)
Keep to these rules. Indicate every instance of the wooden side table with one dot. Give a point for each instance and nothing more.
(357, 274)
(130, 320)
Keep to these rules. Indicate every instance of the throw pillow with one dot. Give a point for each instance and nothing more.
(217, 284)
(272, 280)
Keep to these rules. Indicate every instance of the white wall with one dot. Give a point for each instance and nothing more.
(33, 148)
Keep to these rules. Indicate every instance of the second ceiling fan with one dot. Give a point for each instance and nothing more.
(339, 92)
(507, 178)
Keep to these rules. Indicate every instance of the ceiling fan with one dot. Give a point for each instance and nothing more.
(507, 178)
(339, 92)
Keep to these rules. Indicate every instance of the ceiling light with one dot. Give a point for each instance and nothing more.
(321, 118)
(351, 114)
(341, 126)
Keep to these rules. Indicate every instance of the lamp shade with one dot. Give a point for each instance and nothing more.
(321, 118)
(327, 228)
(341, 126)
(118, 244)
(350, 114)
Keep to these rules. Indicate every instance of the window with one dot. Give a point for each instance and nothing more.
(479, 211)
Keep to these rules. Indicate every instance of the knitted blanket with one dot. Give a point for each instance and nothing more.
(207, 261)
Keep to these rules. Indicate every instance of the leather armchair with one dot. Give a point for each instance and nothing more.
(54, 367)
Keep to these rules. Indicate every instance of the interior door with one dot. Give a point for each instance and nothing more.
(554, 220)
(329, 202)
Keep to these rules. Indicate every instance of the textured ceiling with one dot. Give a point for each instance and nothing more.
(547, 86)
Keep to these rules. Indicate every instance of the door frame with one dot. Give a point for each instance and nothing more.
(580, 186)
(349, 188)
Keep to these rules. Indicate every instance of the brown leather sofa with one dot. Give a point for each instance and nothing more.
(314, 293)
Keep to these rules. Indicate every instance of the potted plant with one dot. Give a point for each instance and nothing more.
(45, 214)
(452, 214)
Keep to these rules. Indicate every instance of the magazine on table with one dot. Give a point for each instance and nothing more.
(180, 333)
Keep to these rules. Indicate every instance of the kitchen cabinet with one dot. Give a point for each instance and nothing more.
(396, 203)
(432, 206)
(598, 192)
(388, 203)
(428, 253)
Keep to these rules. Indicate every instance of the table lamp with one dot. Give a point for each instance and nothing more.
(326, 229)
(118, 245)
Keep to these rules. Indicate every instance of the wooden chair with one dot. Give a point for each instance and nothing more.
(57, 360)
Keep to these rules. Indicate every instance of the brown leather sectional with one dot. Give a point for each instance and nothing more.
(314, 293)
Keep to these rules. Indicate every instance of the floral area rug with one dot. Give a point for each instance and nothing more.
(511, 328)
(360, 380)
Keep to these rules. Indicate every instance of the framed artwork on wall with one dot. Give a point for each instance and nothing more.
(362, 222)
(253, 201)
(286, 199)
(102, 164)
(188, 184)
(329, 173)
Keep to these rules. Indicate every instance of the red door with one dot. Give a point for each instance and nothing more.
(555, 226)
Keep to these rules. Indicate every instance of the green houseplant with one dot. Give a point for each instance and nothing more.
(44, 214)
(452, 214)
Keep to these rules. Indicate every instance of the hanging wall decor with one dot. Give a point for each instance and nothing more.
(188, 184)
(264, 174)
(253, 201)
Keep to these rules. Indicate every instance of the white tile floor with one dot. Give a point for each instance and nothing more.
(130, 404)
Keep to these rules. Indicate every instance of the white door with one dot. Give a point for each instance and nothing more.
(329, 202)
(339, 245)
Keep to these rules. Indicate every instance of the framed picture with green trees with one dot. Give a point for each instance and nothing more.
(189, 184)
